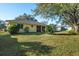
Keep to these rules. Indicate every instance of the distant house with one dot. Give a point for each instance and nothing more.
(61, 27)
(28, 25)
(58, 28)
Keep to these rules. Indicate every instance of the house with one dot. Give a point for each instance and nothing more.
(61, 27)
(28, 25)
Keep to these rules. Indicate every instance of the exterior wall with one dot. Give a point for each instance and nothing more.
(58, 29)
(43, 29)
(32, 28)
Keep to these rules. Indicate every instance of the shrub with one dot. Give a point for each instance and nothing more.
(49, 29)
(72, 32)
(13, 29)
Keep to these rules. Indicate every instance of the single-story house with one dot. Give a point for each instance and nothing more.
(59, 27)
(28, 25)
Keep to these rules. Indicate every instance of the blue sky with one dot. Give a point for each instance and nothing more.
(9, 11)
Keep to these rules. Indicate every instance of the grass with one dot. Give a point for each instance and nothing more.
(39, 44)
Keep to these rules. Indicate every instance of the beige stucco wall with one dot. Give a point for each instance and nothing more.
(31, 28)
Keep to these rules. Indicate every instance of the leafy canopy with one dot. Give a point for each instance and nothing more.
(25, 17)
(67, 12)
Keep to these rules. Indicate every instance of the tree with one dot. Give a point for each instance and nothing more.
(66, 12)
(2, 24)
(51, 28)
(14, 29)
(25, 17)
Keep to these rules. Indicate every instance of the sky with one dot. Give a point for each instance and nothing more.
(8, 11)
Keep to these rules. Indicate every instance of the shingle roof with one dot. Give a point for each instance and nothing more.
(27, 22)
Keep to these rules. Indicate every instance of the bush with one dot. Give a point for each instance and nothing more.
(72, 32)
(49, 29)
(13, 29)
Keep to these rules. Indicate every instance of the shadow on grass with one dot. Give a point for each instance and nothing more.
(31, 33)
(65, 34)
(11, 47)
(35, 48)
(40, 33)
(8, 46)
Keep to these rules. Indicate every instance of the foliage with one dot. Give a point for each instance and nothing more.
(67, 12)
(25, 17)
(72, 32)
(2, 24)
(13, 29)
(50, 28)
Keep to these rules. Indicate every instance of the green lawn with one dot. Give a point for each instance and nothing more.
(39, 44)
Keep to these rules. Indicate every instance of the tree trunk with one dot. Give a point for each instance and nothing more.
(76, 28)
